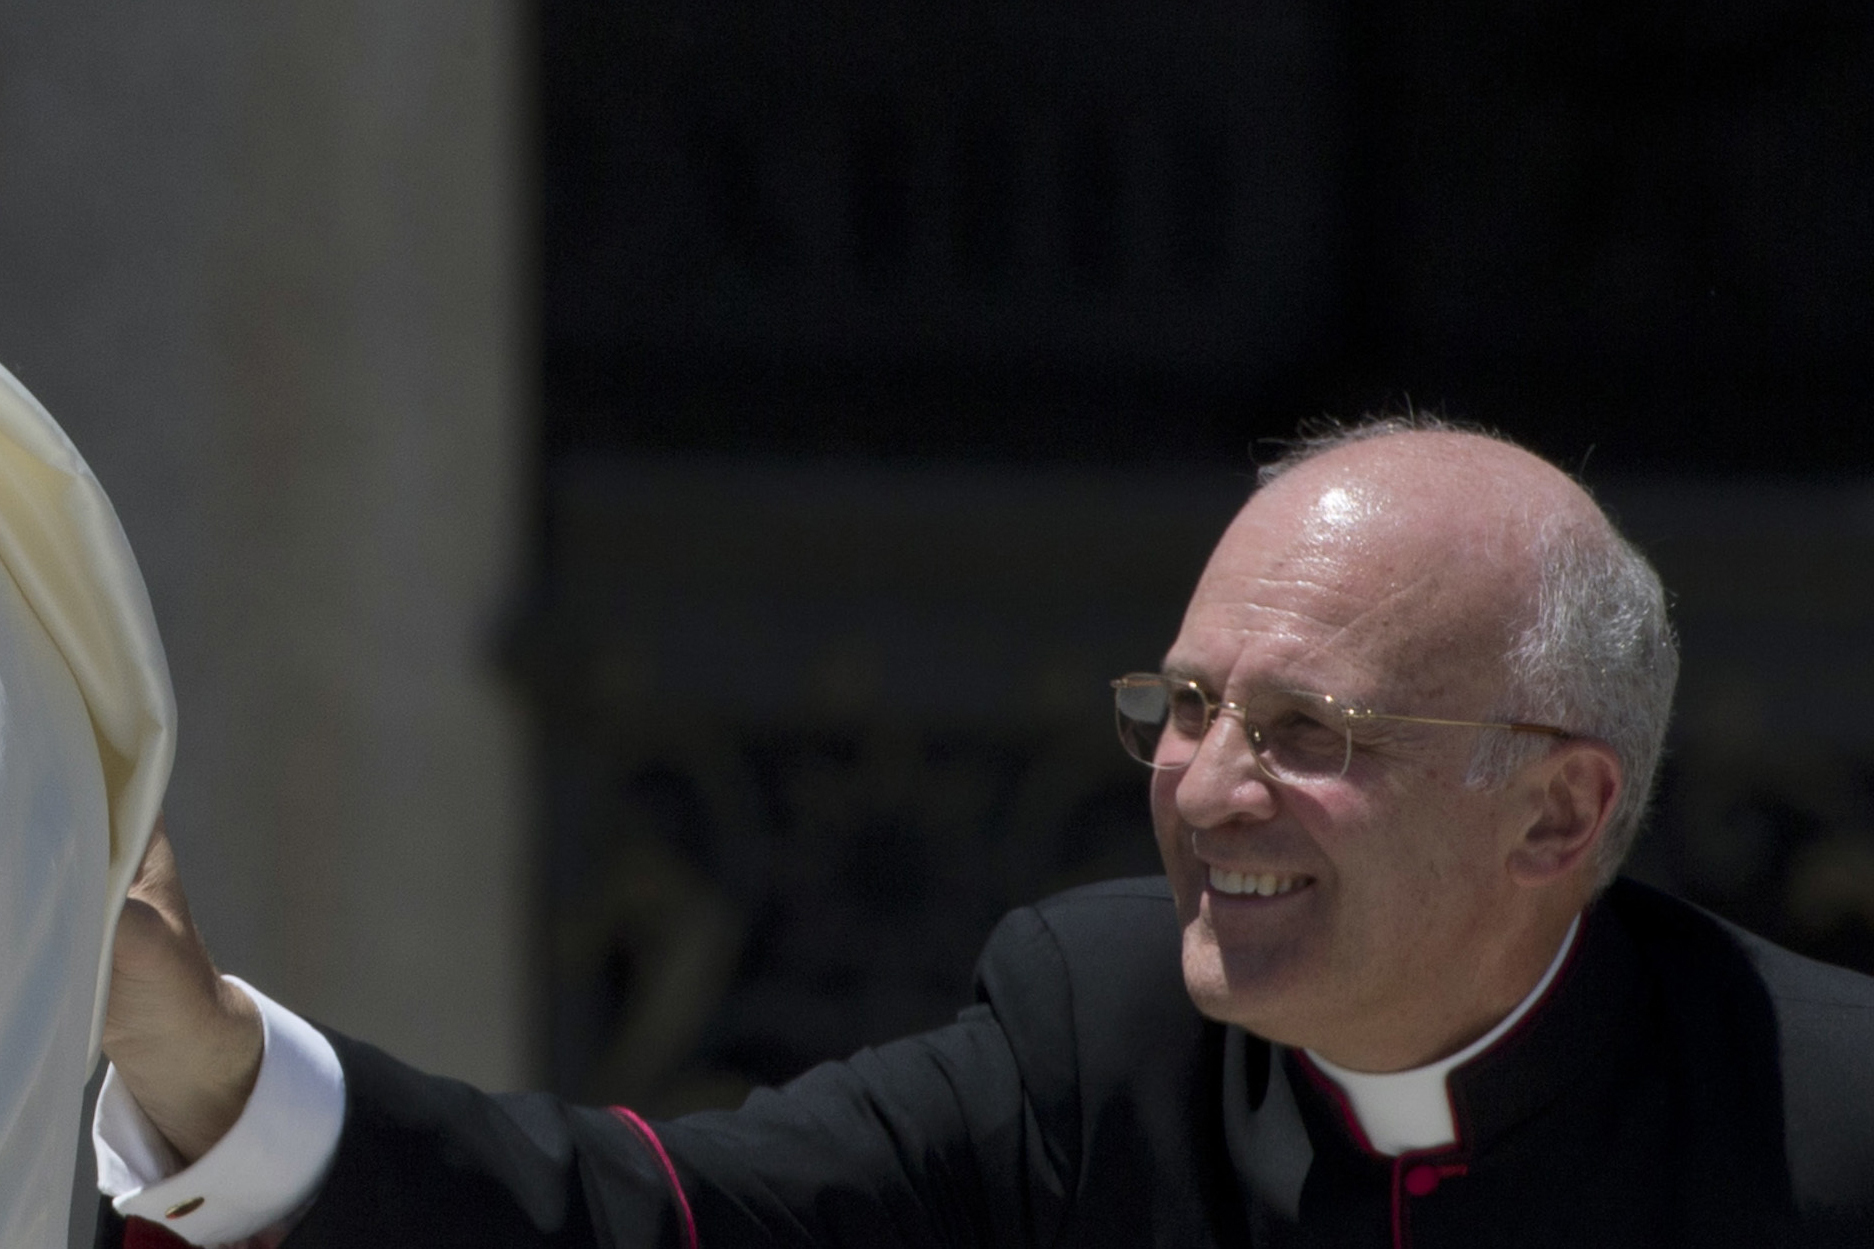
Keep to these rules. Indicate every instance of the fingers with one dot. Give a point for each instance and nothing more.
(186, 1045)
(157, 883)
(161, 970)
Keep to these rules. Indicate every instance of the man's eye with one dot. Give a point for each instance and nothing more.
(1188, 711)
(1304, 734)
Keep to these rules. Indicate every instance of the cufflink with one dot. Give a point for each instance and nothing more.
(184, 1207)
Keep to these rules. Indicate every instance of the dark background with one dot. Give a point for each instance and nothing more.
(901, 362)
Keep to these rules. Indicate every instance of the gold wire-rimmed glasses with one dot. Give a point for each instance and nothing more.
(1295, 737)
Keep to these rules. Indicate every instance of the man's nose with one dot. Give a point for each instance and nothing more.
(1224, 781)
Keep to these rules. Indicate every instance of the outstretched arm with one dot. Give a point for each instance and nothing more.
(933, 1142)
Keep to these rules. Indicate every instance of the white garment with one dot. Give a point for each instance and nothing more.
(87, 725)
(262, 1173)
(1402, 1111)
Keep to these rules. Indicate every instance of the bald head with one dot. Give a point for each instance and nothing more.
(1490, 561)
(1435, 537)
(1482, 490)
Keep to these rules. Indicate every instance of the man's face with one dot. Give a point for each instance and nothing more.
(1389, 893)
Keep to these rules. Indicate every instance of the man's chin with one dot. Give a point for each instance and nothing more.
(1257, 990)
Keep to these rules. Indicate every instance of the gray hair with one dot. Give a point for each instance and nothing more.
(1598, 658)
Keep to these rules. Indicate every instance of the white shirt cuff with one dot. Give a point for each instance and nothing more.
(264, 1171)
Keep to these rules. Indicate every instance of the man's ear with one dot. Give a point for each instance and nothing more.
(1572, 794)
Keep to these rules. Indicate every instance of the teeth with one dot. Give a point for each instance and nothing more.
(1266, 885)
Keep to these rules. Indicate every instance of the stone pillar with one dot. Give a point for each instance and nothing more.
(268, 264)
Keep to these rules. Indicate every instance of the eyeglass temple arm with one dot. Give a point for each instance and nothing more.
(1516, 726)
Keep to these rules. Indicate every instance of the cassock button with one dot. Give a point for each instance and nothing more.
(1422, 1180)
(195, 1203)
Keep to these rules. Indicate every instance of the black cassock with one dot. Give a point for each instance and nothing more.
(1682, 1083)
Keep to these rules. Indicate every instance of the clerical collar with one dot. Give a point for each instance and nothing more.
(1401, 1111)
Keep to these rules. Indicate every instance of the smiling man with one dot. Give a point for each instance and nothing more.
(1398, 750)
(1405, 574)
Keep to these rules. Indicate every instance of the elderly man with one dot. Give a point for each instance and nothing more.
(1397, 753)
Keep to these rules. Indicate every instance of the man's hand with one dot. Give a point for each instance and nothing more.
(185, 1044)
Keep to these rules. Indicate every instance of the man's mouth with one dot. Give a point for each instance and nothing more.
(1260, 884)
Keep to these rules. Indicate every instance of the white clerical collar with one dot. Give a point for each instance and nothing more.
(1401, 1111)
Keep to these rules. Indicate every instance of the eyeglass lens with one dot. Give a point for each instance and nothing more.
(1296, 737)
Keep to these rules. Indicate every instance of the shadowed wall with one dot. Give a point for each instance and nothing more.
(267, 265)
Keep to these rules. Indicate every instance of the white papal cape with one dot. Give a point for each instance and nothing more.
(87, 733)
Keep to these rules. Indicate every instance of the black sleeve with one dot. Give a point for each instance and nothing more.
(930, 1141)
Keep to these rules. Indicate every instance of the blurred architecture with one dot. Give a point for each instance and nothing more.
(901, 363)
(269, 268)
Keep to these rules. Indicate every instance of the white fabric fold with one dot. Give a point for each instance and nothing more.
(87, 724)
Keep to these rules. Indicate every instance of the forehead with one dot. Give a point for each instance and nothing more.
(1352, 587)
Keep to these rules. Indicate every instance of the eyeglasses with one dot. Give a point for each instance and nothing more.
(1295, 737)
